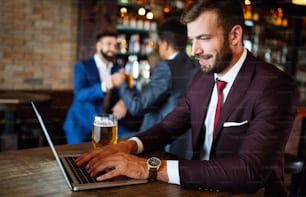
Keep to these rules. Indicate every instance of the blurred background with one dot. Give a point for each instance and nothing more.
(41, 39)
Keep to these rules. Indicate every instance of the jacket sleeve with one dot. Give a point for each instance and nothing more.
(243, 158)
(139, 102)
(83, 90)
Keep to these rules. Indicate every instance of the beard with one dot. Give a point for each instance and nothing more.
(109, 58)
(222, 60)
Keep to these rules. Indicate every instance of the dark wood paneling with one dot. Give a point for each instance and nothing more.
(95, 16)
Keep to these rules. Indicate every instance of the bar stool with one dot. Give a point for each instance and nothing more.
(293, 164)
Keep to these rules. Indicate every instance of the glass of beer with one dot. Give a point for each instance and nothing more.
(129, 79)
(104, 130)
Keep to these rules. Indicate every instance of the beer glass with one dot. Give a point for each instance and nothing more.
(129, 79)
(104, 130)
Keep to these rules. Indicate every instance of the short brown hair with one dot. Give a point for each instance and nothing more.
(230, 12)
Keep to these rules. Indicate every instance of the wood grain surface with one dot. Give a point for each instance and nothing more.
(34, 172)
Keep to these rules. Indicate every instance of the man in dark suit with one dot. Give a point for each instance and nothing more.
(169, 81)
(244, 150)
(91, 78)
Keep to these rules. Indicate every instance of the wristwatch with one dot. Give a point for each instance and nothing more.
(153, 164)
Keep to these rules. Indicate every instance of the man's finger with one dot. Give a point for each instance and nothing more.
(111, 174)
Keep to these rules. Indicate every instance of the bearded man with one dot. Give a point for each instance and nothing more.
(90, 89)
(239, 108)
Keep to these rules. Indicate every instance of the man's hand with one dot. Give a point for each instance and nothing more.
(120, 164)
(119, 110)
(126, 146)
(108, 83)
(118, 78)
(117, 158)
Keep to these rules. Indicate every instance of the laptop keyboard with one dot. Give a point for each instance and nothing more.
(80, 172)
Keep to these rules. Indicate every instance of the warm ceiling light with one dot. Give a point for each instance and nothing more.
(123, 10)
(247, 2)
(167, 8)
(299, 2)
(141, 11)
(150, 15)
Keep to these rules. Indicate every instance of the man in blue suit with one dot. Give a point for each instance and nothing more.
(91, 87)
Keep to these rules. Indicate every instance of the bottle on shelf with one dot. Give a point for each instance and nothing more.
(123, 19)
(123, 46)
(134, 44)
(131, 70)
(147, 24)
(147, 46)
(140, 18)
(132, 21)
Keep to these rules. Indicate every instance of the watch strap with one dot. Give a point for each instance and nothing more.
(152, 174)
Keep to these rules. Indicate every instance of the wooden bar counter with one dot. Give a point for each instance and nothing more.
(34, 172)
(10, 102)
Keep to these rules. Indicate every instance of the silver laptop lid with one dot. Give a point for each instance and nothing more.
(42, 124)
(74, 185)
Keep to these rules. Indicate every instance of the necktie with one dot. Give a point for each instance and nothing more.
(220, 86)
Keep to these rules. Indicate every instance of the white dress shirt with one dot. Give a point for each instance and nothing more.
(171, 57)
(229, 77)
(104, 70)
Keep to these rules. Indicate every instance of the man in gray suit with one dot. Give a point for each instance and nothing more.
(244, 150)
(169, 81)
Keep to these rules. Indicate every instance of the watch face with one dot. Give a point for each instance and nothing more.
(154, 161)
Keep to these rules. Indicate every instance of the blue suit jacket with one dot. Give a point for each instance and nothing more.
(87, 101)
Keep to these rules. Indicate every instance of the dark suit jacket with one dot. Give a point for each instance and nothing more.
(243, 157)
(87, 101)
(168, 83)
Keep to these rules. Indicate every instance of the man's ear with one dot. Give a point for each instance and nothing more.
(235, 35)
(166, 44)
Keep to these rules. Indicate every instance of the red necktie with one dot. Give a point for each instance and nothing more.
(220, 86)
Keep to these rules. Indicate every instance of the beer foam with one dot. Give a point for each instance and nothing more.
(104, 124)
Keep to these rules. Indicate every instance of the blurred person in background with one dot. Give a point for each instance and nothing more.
(169, 81)
(92, 92)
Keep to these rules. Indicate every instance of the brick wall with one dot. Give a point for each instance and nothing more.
(38, 44)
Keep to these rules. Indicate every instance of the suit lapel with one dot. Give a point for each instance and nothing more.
(206, 90)
(93, 72)
(237, 91)
(200, 92)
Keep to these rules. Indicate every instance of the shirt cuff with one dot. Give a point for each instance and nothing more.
(173, 172)
(103, 87)
(139, 143)
(172, 165)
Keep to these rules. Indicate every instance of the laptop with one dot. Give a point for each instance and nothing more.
(76, 177)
